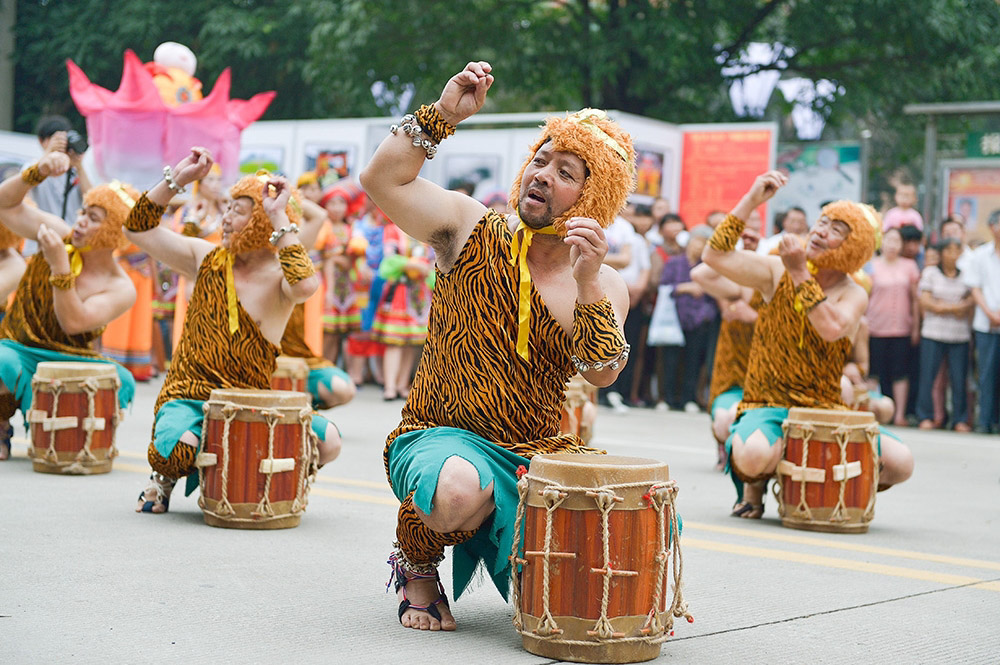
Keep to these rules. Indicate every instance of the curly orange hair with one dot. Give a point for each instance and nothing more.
(257, 234)
(610, 158)
(116, 199)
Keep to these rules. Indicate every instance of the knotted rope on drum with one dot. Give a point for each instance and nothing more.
(807, 433)
(308, 461)
(871, 437)
(553, 498)
(264, 508)
(50, 454)
(515, 560)
(229, 411)
(842, 436)
(90, 387)
(662, 500)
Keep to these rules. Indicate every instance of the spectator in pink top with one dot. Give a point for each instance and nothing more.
(893, 320)
(904, 213)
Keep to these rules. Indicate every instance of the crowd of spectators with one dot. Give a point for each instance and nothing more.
(933, 314)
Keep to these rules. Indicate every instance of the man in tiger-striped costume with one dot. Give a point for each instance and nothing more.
(521, 303)
(803, 336)
(243, 295)
(72, 288)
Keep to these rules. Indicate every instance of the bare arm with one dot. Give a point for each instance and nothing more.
(759, 272)
(425, 211)
(714, 284)
(12, 267)
(595, 281)
(980, 299)
(277, 192)
(313, 217)
(25, 220)
(182, 253)
(75, 314)
(619, 259)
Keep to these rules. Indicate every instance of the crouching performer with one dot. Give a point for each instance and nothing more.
(521, 304)
(243, 294)
(71, 289)
(803, 335)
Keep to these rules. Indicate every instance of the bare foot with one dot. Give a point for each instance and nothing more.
(424, 592)
(156, 497)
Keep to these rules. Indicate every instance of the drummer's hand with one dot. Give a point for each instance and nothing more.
(588, 247)
(53, 250)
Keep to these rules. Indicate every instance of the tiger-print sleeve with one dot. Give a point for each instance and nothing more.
(596, 335)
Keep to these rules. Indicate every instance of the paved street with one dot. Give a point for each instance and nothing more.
(83, 579)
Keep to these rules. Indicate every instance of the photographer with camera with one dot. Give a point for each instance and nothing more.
(61, 196)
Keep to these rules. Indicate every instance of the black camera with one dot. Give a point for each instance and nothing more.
(75, 142)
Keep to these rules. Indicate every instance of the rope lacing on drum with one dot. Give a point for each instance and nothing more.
(264, 508)
(655, 630)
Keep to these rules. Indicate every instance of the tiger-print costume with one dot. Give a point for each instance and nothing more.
(293, 343)
(779, 371)
(207, 356)
(179, 464)
(421, 545)
(470, 375)
(31, 319)
(732, 352)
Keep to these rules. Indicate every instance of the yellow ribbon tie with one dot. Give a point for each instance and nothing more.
(519, 256)
(75, 258)
(223, 259)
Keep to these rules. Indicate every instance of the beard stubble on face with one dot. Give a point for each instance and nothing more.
(541, 218)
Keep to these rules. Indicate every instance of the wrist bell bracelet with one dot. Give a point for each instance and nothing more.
(291, 228)
(412, 128)
(168, 177)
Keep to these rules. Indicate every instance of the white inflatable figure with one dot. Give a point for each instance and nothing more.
(173, 70)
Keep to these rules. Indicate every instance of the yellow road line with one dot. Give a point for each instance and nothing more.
(745, 550)
(323, 479)
(351, 496)
(843, 545)
(843, 564)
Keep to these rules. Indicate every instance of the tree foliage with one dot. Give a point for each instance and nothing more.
(659, 58)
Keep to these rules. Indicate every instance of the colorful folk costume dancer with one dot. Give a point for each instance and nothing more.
(403, 310)
(72, 288)
(520, 305)
(803, 335)
(243, 295)
(346, 276)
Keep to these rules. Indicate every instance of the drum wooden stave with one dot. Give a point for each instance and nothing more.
(828, 474)
(73, 417)
(290, 374)
(593, 584)
(257, 459)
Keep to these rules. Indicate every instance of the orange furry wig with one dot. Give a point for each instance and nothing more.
(610, 158)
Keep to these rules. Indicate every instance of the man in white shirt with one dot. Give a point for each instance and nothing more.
(983, 277)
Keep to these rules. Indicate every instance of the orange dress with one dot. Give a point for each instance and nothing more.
(128, 339)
